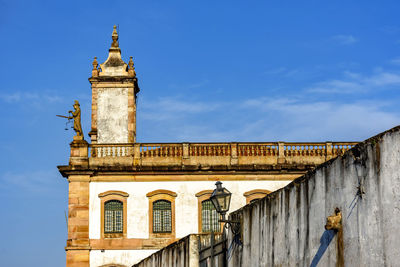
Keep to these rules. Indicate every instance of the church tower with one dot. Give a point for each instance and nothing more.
(114, 89)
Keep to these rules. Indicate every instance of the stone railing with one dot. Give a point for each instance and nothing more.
(219, 153)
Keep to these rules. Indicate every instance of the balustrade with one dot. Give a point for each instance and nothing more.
(270, 149)
(111, 150)
(198, 150)
(305, 149)
(160, 150)
(279, 150)
(340, 148)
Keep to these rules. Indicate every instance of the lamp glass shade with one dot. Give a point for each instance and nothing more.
(221, 198)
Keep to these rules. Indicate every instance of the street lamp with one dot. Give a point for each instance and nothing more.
(221, 199)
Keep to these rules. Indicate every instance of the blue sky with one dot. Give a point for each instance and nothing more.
(225, 71)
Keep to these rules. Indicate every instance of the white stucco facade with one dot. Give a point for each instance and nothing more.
(186, 211)
(186, 203)
(112, 115)
(123, 257)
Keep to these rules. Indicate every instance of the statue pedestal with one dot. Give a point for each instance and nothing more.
(79, 153)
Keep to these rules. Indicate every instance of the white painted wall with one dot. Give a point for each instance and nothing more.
(186, 207)
(125, 257)
(112, 115)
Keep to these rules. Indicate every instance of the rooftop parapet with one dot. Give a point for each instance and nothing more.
(214, 154)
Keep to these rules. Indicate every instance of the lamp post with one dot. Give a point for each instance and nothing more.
(221, 199)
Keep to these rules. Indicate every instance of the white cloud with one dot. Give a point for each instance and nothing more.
(356, 83)
(170, 108)
(395, 61)
(272, 119)
(35, 182)
(345, 39)
(18, 97)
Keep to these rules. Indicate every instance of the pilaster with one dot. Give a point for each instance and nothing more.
(79, 153)
(78, 245)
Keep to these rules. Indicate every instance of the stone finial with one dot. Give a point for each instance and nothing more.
(131, 70)
(114, 65)
(115, 37)
(95, 71)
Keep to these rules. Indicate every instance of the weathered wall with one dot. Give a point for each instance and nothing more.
(182, 253)
(112, 115)
(287, 227)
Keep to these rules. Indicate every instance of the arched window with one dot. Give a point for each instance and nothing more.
(209, 217)
(113, 217)
(113, 214)
(162, 213)
(162, 216)
(255, 194)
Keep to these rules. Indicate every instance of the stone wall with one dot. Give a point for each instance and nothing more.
(287, 227)
(182, 253)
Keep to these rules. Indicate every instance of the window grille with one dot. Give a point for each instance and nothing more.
(113, 218)
(162, 219)
(209, 217)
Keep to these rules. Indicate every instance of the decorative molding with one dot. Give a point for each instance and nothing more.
(114, 192)
(255, 194)
(204, 192)
(161, 191)
(256, 191)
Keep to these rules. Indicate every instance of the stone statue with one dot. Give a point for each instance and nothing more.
(76, 115)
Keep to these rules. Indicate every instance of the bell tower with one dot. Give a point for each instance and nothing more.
(114, 89)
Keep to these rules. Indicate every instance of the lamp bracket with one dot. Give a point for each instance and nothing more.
(233, 225)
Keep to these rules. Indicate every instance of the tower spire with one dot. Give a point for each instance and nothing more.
(114, 65)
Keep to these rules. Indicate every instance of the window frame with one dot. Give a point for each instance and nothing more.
(201, 196)
(119, 196)
(161, 194)
(255, 194)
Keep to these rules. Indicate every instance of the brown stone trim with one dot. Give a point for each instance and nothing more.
(204, 192)
(161, 194)
(79, 178)
(255, 194)
(128, 177)
(201, 196)
(114, 192)
(129, 243)
(78, 258)
(77, 249)
(176, 170)
(131, 115)
(93, 131)
(114, 195)
(161, 191)
(113, 265)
